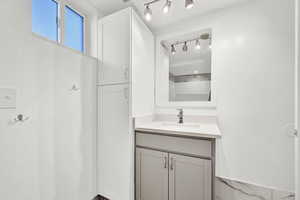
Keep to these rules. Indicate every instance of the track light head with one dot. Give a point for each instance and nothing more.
(189, 4)
(185, 47)
(148, 13)
(173, 50)
(197, 46)
(167, 6)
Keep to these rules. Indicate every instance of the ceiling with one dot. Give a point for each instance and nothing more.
(159, 20)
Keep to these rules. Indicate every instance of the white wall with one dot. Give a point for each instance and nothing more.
(192, 87)
(253, 47)
(29, 167)
(191, 91)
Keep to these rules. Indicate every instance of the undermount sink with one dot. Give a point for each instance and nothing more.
(184, 125)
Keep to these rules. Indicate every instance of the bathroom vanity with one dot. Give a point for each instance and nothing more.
(175, 157)
(175, 161)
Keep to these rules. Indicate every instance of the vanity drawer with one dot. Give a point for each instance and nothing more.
(195, 147)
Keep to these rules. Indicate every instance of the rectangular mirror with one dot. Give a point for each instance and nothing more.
(184, 69)
(189, 67)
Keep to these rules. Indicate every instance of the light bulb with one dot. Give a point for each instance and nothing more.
(148, 13)
(173, 50)
(197, 46)
(167, 6)
(189, 4)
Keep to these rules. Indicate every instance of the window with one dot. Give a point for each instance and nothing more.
(44, 18)
(74, 29)
(46, 22)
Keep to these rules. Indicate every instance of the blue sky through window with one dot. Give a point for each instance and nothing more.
(74, 29)
(44, 18)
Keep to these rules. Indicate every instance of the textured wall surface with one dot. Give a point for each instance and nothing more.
(234, 190)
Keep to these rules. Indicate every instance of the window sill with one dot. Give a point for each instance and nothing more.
(39, 37)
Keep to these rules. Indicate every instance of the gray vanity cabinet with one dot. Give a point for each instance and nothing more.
(189, 178)
(173, 168)
(151, 175)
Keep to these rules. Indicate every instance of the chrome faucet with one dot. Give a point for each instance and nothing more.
(180, 116)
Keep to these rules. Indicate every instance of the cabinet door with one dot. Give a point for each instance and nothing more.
(116, 48)
(142, 68)
(151, 175)
(189, 178)
(115, 143)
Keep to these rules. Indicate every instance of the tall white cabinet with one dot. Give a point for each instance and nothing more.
(115, 49)
(125, 91)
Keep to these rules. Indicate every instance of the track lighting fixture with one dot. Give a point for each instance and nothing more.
(148, 13)
(205, 36)
(197, 46)
(185, 47)
(189, 4)
(173, 50)
(167, 6)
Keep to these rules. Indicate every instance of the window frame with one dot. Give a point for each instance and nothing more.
(61, 25)
(58, 10)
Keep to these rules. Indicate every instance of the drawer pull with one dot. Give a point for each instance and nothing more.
(172, 164)
(165, 162)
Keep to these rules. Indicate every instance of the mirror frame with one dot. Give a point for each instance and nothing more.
(162, 74)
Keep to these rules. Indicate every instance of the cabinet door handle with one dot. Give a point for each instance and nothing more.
(172, 164)
(165, 162)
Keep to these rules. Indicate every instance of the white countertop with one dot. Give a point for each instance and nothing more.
(201, 128)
